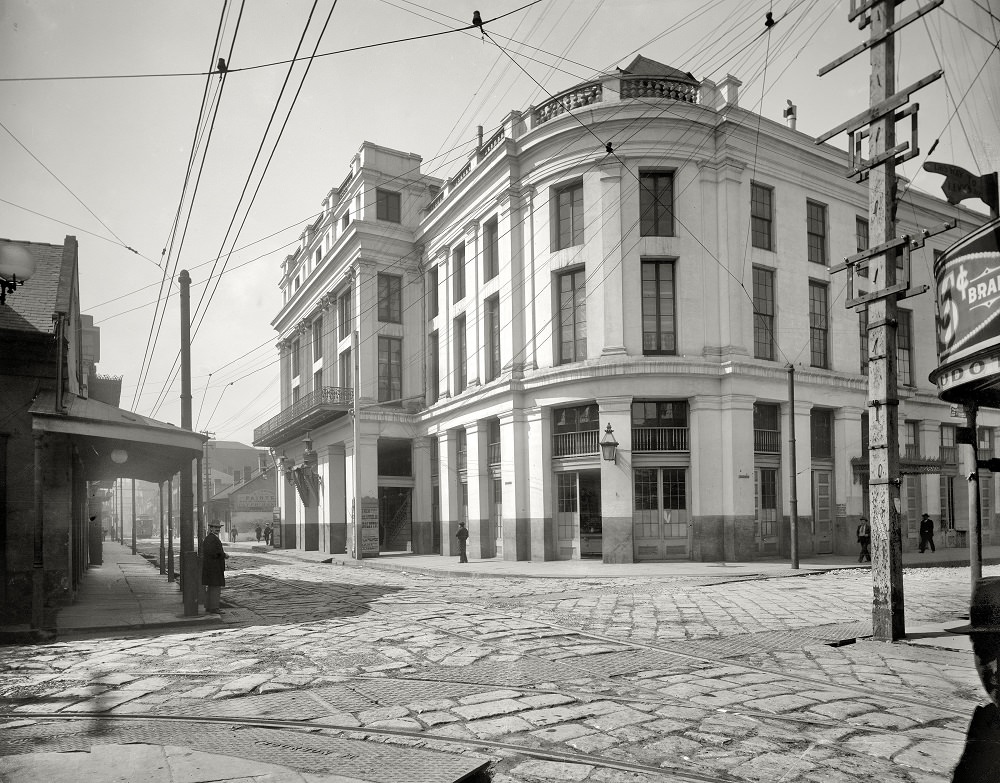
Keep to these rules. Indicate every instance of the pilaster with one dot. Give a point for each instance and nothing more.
(617, 545)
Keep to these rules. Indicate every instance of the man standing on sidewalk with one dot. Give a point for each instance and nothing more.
(463, 538)
(926, 533)
(213, 567)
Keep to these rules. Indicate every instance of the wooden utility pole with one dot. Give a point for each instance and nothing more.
(888, 621)
(190, 576)
(878, 125)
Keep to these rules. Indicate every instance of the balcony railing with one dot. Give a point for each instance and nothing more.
(766, 442)
(660, 439)
(574, 98)
(316, 408)
(949, 455)
(575, 444)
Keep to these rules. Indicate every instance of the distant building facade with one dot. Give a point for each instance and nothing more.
(651, 289)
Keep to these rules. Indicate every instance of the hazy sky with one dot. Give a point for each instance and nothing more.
(120, 146)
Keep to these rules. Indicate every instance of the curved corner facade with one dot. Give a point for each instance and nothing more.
(635, 263)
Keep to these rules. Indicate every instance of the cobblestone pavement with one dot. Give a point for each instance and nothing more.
(554, 680)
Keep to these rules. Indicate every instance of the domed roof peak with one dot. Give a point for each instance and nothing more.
(643, 66)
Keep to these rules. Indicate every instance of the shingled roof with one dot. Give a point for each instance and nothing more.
(49, 290)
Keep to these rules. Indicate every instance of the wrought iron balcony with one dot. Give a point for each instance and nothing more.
(313, 410)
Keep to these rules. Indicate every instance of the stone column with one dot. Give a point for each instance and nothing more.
(482, 537)
(422, 535)
(514, 461)
(474, 308)
(448, 488)
(616, 482)
(539, 457)
(337, 497)
(612, 303)
(707, 486)
(737, 479)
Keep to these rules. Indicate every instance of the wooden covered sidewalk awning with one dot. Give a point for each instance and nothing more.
(116, 443)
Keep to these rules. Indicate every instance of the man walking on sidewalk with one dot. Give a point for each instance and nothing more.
(927, 533)
(864, 539)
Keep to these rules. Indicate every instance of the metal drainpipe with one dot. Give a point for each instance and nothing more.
(59, 318)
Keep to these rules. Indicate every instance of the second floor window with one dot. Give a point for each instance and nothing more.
(761, 216)
(763, 313)
(568, 216)
(861, 241)
(816, 232)
(656, 204)
(911, 434)
(659, 321)
(432, 292)
(317, 339)
(572, 343)
(904, 347)
(433, 367)
(295, 358)
(390, 298)
(461, 355)
(390, 369)
(345, 313)
(491, 249)
(766, 428)
(318, 380)
(821, 433)
(387, 205)
(863, 336)
(819, 325)
(458, 273)
(346, 369)
(492, 337)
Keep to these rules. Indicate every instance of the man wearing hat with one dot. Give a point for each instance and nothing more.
(926, 533)
(213, 567)
(980, 762)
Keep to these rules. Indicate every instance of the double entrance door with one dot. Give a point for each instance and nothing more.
(579, 524)
(661, 519)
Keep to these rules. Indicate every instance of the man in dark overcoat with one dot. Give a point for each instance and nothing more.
(213, 567)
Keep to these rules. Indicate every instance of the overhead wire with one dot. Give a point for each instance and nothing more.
(69, 190)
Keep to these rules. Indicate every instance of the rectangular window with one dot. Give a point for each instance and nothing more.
(345, 221)
(911, 435)
(821, 433)
(904, 347)
(461, 357)
(863, 337)
(390, 299)
(345, 313)
(985, 442)
(656, 204)
(763, 313)
(491, 249)
(493, 337)
(461, 449)
(390, 369)
(568, 216)
(346, 368)
(761, 216)
(295, 358)
(432, 292)
(861, 240)
(433, 367)
(766, 428)
(819, 325)
(458, 273)
(816, 232)
(318, 380)
(387, 205)
(317, 338)
(659, 317)
(572, 317)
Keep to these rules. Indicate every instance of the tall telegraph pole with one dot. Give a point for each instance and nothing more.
(189, 557)
(878, 125)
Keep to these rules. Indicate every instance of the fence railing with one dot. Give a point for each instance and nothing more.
(660, 439)
(574, 444)
(766, 442)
